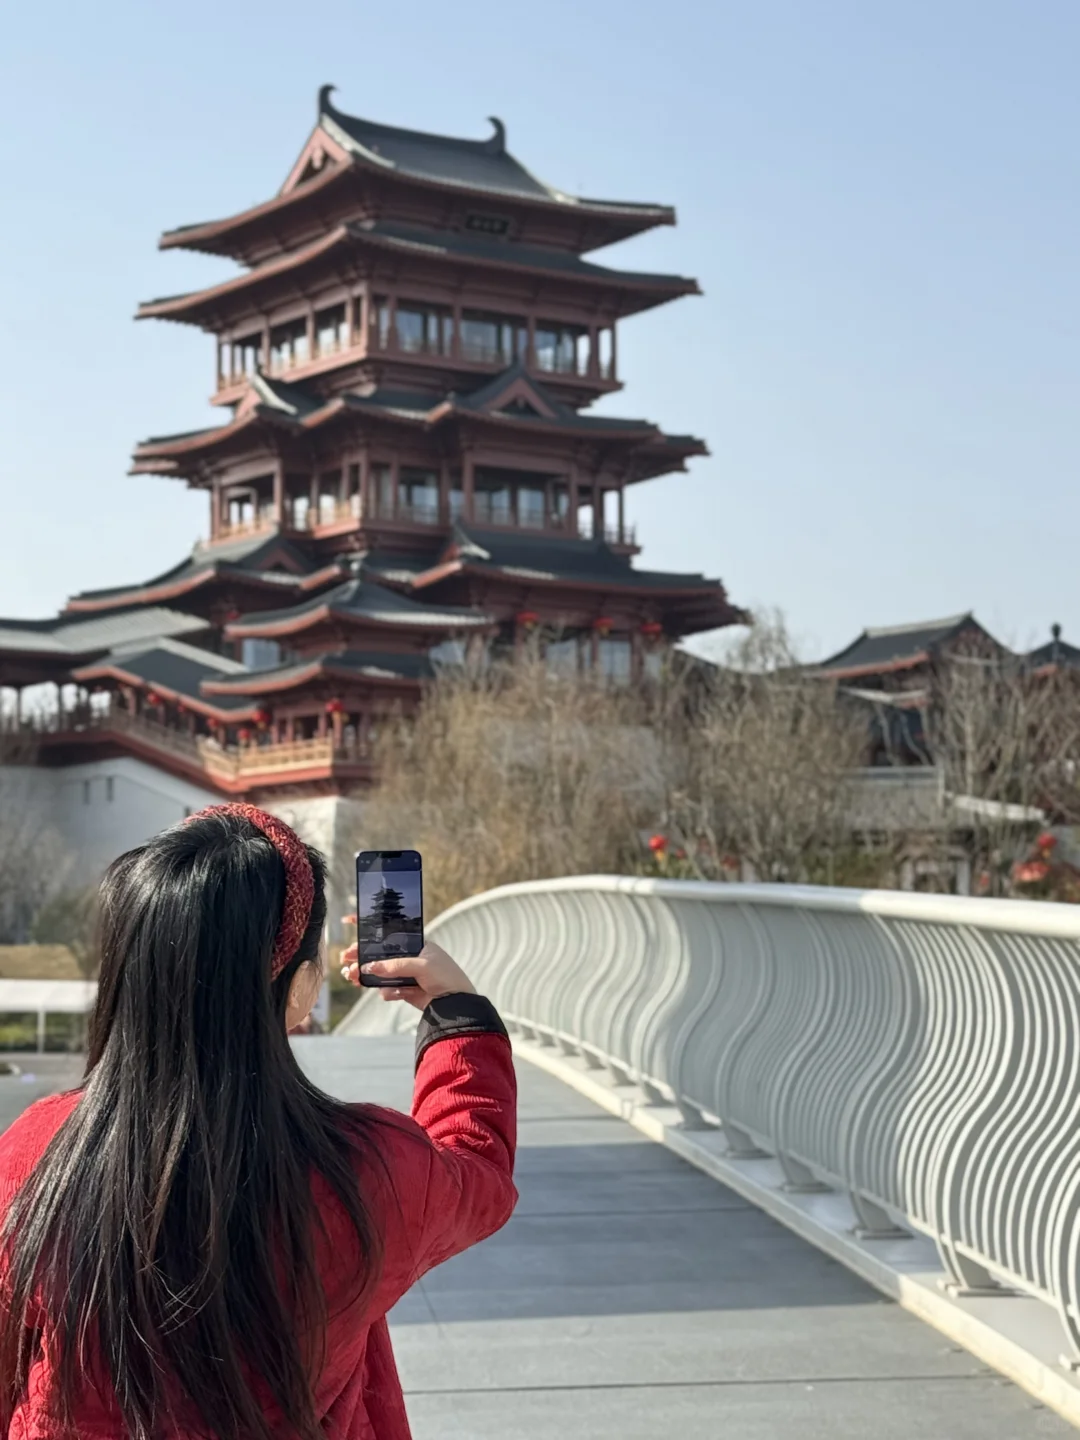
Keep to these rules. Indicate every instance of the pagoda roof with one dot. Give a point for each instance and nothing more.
(898, 647)
(344, 665)
(67, 638)
(432, 162)
(545, 559)
(264, 561)
(175, 671)
(512, 400)
(360, 602)
(1056, 654)
(643, 289)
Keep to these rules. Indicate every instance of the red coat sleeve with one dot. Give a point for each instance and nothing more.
(465, 1099)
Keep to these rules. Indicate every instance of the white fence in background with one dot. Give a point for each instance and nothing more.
(921, 1053)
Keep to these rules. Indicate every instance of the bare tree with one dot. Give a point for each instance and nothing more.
(34, 860)
(759, 754)
(515, 773)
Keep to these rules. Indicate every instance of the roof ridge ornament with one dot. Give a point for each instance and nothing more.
(496, 143)
(325, 104)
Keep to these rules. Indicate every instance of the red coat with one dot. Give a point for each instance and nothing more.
(446, 1196)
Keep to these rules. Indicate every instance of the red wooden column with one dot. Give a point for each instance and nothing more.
(468, 484)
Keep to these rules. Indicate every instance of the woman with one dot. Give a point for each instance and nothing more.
(198, 1242)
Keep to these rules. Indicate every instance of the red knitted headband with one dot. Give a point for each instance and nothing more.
(299, 880)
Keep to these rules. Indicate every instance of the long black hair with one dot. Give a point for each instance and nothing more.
(168, 1233)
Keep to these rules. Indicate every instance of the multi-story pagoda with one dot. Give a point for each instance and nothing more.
(406, 467)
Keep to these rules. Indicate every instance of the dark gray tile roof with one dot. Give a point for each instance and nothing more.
(242, 556)
(179, 668)
(549, 558)
(362, 600)
(421, 241)
(369, 664)
(893, 646)
(65, 636)
(1055, 652)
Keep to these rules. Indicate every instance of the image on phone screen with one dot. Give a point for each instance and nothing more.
(390, 908)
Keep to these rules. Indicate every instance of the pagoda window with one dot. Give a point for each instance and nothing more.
(561, 349)
(331, 330)
(246, 353)
(382, 488)
(614, 660)
(288, 345)
(493, 339)
(422, 330)
(605, 360)
(329, 497)
(259, 654)
(381, 314)
(457, 499)
(531, 507)
(418, 496)
(560, 510)
(562, 656)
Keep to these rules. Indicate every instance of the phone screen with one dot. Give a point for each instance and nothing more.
(389, 904)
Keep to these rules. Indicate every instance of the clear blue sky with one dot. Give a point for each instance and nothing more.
(879, 199)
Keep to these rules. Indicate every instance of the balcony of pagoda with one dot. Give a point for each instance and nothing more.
(432, 344)
(234, 759)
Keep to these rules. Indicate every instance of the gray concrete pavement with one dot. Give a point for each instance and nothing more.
(631, 1295)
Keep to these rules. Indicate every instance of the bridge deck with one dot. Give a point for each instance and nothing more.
(631, 1296)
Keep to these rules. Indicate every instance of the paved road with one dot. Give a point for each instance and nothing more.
(633, 1298)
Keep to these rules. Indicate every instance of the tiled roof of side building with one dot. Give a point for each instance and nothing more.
(346, 664)
(893, 647)
(361, 600)
(546, 558)
(1055, 652)
(173, 667)
(73, 637)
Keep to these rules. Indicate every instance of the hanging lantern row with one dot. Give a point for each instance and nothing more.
(335, 706)
(527, 618)
(153, 698)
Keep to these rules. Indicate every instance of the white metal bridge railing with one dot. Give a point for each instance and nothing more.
(921, 1053)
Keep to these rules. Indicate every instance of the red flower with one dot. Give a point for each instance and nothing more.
(658, 844)
(1030, 872)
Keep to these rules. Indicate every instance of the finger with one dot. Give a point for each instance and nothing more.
(394, 967)
(349, 954)
(391, 994)
(351, 973)
(348, 919)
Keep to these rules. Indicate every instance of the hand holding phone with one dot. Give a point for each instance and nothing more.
(432, 973)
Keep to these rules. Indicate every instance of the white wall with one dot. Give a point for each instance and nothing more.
(102, 808)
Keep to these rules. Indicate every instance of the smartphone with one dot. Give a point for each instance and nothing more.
(389, 910)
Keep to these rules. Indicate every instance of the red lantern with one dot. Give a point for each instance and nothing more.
(212, 724)
(335, 706)
(153, 698)
(528, 618)
(231, 615)
(603, 625)
(244, 734)
(261, 716)
(652, 629)
(657, 844)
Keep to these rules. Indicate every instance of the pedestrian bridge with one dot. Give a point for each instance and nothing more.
(791, 1157)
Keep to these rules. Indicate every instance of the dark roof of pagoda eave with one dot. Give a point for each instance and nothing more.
(361, 603)
(892, 649)
(640, 291)
(608, 221)
(165, 454)
(394, 671)
(174, 676)
(225, 568)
